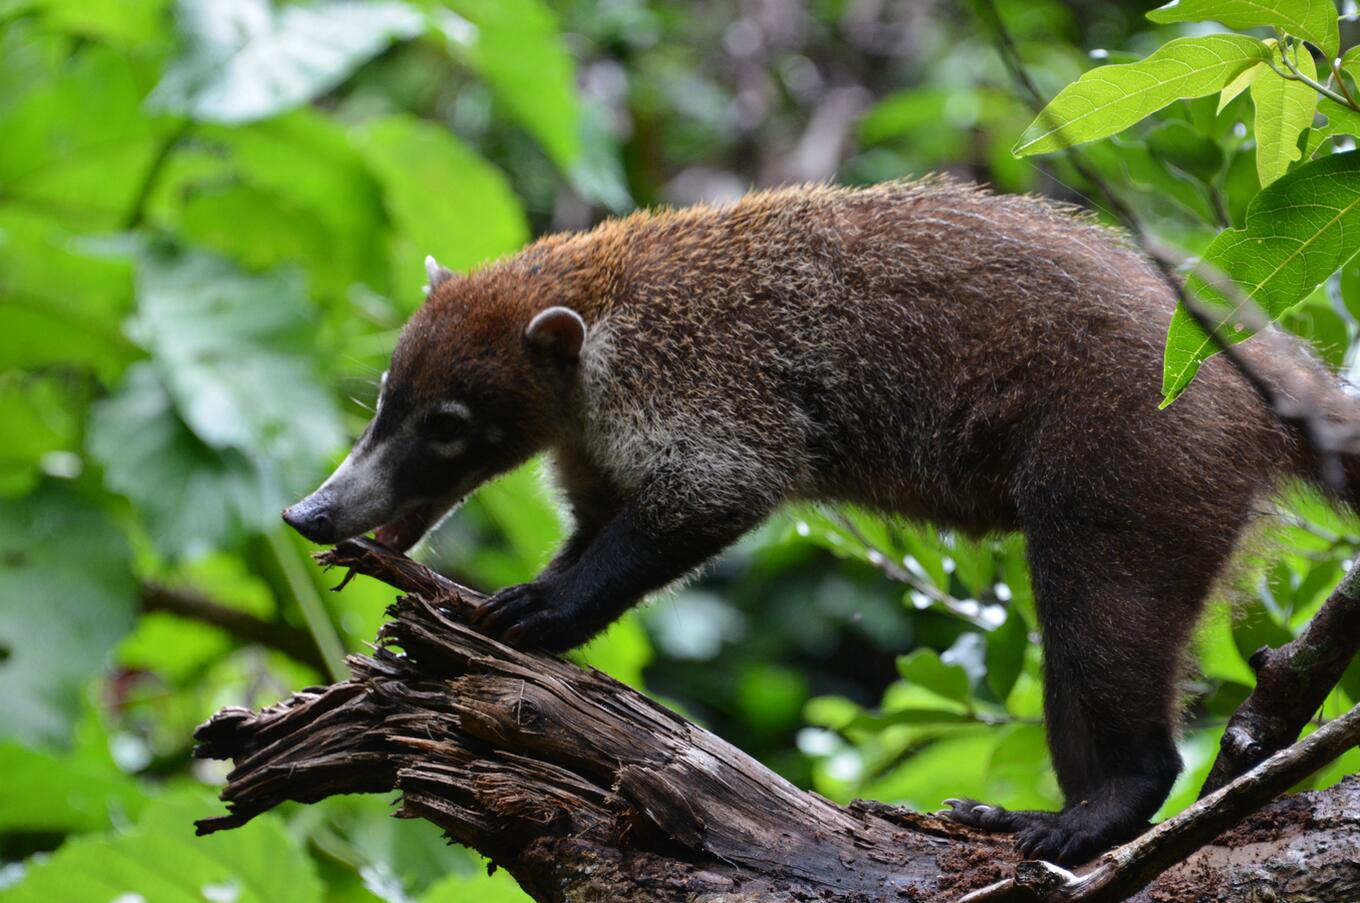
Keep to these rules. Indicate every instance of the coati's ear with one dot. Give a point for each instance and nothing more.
(557, 333)
(436, 274)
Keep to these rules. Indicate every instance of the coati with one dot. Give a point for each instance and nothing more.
(924, 349)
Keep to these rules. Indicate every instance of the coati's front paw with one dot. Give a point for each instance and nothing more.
(529, 616)
(1071, 837)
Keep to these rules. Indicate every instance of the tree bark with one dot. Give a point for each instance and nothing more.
(586, 790)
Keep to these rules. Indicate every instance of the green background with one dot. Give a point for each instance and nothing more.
(212, 220)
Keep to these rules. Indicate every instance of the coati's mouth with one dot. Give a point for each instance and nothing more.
(407, 530)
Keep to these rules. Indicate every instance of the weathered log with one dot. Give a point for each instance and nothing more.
(585, 789)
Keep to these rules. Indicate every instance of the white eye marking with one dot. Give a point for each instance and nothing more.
(451, 449)
(456, 408)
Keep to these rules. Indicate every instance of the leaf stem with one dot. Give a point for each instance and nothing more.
(1295, 75)
(1341, 84)
(313, 609)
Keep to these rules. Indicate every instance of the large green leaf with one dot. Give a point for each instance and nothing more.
(444, 199)
(193, 497)
(247, 59)
(60, 303)
(515, 46)
(1109, 99)
(1299, 230)
(161, 861)
(82, 789)
(306, 165)
(37, 419)
(68, 596)
(1312, 20)
(1239, 84)
(483, 888)
(75, 140)
(1284, 108)
(1340, 121)
(135, 24)
(925, 669)
(235, 352)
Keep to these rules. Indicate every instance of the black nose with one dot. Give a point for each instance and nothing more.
(311, 517)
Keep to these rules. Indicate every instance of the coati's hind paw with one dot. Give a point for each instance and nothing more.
(982, 816)
(1071, 837)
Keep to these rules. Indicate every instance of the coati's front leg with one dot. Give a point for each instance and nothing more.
(598, 577)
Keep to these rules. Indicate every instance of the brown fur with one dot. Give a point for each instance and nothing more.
(926, 349)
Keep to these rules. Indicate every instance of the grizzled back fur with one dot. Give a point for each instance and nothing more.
(924, 349)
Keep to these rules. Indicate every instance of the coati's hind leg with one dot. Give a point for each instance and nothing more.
(1117, 603)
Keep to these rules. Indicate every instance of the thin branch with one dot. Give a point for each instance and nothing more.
(1125, 870)
(1291, 684)
(893, 571)
(186, 603)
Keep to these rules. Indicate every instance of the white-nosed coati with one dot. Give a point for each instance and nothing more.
(924, 349)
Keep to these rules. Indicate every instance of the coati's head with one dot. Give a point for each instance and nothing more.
(478, 383)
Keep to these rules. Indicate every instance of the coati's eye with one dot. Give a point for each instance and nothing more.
(445, 425)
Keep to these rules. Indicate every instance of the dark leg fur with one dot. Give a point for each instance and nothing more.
(628, 558)
(1118, 593)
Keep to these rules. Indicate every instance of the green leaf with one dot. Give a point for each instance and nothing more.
(1132, 160)
(1218, 655)
(924, 668)
(1109, 99)
(622, 651)
(130, 23)
(1284, 108)
(248, 59)
(1312, 20)
(65, 576)
(79, 790)
(59, 302)
(1340, 121)
(37, 418)
(1178, 144)
(483, 888)
(951, 767)
(162, 861)
(515, 46)
(1238, 85)
(1006, 654)
(1314, 319)
(305, 164)
(476, 218)
(1300, 230)
(234, 352)
(194, 498)
(75, 138)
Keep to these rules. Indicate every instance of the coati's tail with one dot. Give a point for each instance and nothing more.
(1320, 404)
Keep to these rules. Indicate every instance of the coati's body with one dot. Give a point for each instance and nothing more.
(928, 350)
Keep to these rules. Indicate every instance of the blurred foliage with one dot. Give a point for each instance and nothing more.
(212, 220)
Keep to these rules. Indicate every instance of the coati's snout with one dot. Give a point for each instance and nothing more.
(464, 401)
(312, 517)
